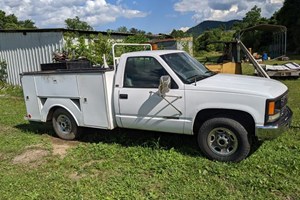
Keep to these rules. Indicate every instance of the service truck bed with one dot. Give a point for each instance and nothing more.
(87, 92)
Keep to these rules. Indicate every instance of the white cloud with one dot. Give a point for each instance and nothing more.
(226, 9)
(184, 29)
(50, 13)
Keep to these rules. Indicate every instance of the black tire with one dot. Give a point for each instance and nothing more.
(224, 139)
(64, 125)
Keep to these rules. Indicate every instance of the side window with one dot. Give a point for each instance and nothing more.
(143, 72)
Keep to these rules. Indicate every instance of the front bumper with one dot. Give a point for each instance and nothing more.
(274, 130)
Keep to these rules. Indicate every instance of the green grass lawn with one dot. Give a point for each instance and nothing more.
(128, 164)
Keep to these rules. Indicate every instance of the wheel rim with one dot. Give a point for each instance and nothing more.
(64, 124)
(222, 141)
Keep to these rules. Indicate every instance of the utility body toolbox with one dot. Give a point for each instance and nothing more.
(83, 91)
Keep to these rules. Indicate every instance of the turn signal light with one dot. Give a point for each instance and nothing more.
(271, 110)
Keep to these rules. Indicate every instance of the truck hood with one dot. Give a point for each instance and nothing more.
(241, 84)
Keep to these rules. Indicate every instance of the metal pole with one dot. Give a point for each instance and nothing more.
(115, 59)
(285, 34)
(282, 44)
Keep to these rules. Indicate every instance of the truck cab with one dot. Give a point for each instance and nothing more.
(198, 101)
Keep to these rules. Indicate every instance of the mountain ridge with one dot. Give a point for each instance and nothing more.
(210, 24)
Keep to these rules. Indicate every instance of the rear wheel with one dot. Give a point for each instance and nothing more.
(224, 139)
(64, 124)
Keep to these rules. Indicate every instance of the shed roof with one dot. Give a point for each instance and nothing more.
(63, 30)
(80, 32)
(265, 27)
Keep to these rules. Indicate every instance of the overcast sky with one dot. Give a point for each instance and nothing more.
(156, 16)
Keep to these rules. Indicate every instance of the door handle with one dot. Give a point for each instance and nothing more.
(123, 96)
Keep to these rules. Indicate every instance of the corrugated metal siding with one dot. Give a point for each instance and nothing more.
(24, 52)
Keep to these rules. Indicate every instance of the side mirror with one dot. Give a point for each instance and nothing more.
(164, 85)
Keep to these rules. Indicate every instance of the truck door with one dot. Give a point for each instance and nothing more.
(141, 106)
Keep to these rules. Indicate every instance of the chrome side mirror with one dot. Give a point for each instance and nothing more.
(164, 85)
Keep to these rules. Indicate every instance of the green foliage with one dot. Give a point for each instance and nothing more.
(27, 24)
(12, 22)
(252, 18)
(179, 34)
(289, 16)
(208, 40)
(10, 90)
(77, 24)
(137, 31)
(3, 71)
(137, 39)
(124, 29)
(185, 46)
(91, 47)
(259, 41)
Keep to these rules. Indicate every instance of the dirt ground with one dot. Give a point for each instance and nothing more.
(60, 146)
(34, 155)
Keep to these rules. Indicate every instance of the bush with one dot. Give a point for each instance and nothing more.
(3, 72)
(91, 47)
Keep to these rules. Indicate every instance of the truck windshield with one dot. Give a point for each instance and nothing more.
(187, 68)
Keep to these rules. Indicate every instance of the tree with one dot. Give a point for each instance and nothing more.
(257, 40)
(252, 18)
(137, 31)
(12, 22)
(27, 23)
(89, 46)
(122, 29)
(289, 16)
(178, 34)
(208, 41)
(138, 39)
(77, 24)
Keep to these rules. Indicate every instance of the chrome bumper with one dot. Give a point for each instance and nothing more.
(274, 130)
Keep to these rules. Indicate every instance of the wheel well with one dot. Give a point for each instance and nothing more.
(51, 111)
(243, 117)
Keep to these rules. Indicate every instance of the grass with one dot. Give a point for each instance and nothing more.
(129, 164)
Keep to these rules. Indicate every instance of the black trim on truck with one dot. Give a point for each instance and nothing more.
(275, 129)
(280, 104)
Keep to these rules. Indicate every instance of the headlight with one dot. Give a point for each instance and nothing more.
(274, 107)
(273, 110)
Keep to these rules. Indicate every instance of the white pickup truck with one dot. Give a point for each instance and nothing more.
(166, 91)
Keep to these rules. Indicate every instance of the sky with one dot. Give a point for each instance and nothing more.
(156, 16)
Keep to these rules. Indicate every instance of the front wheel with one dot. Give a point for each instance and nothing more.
(224, 139)
(64, 125)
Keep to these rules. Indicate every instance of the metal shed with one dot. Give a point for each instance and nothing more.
(279, 34)
(25, 50)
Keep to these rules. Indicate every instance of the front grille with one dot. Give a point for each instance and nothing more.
(283, 104)
(284, 100)
(283, 111)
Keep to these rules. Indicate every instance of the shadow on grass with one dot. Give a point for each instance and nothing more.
(295, 127)
(183, 144)
(37, 128)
